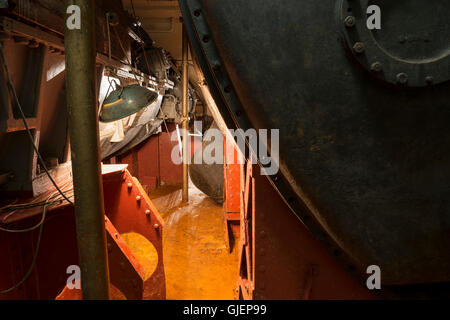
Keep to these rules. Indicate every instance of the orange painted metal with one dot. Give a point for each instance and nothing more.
(125, 272)
(279, 258)
(233, 197)
(128, 209)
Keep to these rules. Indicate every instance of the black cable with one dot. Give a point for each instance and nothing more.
(132, 6)
(44, 204)
(33, 262)
(26, 125)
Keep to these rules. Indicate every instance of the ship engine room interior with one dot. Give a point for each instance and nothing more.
(224, 150)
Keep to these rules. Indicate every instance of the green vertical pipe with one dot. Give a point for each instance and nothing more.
(84, 142)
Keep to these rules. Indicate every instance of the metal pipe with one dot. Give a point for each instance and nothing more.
(84, 141)
(185, 81)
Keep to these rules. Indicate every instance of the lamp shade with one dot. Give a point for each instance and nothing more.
(125, 101)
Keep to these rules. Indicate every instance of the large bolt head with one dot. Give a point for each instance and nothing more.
(350, 21)
(358, 47)
(376, 67)
(402, 78)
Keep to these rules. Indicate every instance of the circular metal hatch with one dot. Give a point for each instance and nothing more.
(412, 46)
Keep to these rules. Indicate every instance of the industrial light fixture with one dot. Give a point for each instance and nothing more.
(125, 101)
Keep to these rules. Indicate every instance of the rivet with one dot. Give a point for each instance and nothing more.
(116, 235)
(147, 212)
(156, 226)
(138, 198)
(130, 185)
(358, 47)
(376, 67)
(197, 12)
(429, 79)
(206, 39)
(350, 21)
(402, 78)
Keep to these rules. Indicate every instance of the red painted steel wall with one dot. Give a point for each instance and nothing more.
(151, 161)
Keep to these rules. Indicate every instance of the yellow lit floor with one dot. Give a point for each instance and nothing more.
(197, 262)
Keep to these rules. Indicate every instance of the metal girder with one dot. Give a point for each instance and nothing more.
(129, 209)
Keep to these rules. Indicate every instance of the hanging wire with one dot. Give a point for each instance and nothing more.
(51, 200)
(30, 135)
(40, 225)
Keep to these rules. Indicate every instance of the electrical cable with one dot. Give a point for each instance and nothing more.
(132, 7)
(22, 114)
(33, 262)
(46, 203)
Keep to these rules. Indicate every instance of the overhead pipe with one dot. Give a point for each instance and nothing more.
(185, 82)
(84, 141)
